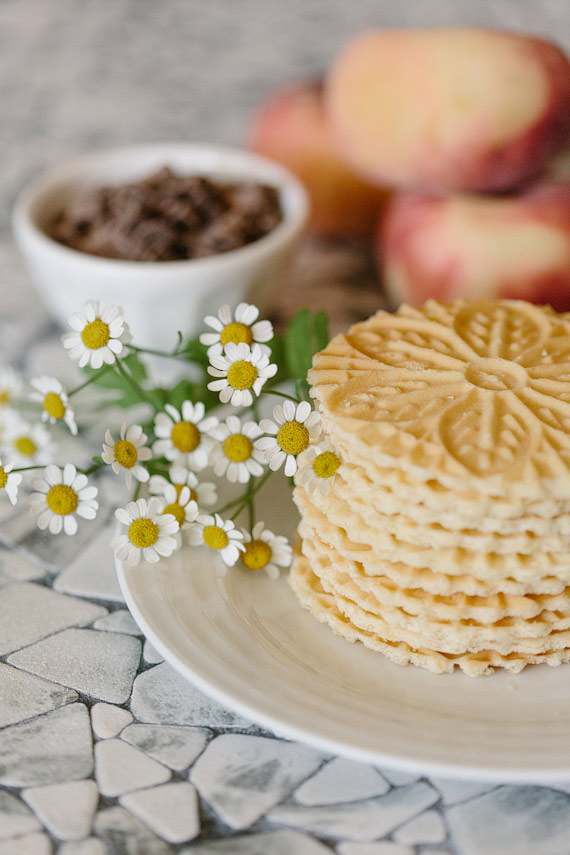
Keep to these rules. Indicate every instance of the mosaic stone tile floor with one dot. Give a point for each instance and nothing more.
(106, 750)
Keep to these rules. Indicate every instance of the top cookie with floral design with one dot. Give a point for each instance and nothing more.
(471, 394)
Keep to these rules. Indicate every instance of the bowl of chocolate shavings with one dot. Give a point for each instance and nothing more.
(168, 231)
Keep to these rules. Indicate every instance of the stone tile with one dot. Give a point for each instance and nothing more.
(432, 851)
(23, 696)
(125, 835)
(399, 779)
(151, 655)
(57, 552)
(384, 848)
(100, 664)
(119, 621)
(162, 696)
(15, 567)
(171, 811)
(525, 820)
(243, 776)
(563, 786)
(92, 572)
(17, 528)
(15, 818)
(341, 781)
(29, 612)
(363, 821)
(89, 846)
(175, 746)
(49, 749)
(29, 844)
(120, 768)
(66, 810)
(426, 828)
(453, 792)
(284, 842)
(107, 720)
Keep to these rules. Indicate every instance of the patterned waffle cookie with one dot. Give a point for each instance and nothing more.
(475, 395)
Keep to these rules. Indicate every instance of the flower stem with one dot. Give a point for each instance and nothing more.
(245, 498)
(279, 395)
(251, 513)
(173, 354)
(90, 380)
(29, 468)
(98, 464)
(133, 384)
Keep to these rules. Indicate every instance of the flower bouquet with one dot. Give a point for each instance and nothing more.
(236, 362)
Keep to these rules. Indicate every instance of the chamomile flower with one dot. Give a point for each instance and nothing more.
(26, 444)
(99, 335)
(317, 468)
(243, 370)
(182, 436)
(127, 453)
(205, 493)
(219, 535)
(266, 551)
(10, 386)
(242, 327)
(151, 534)
(60, 495)
(181, 505)
(235, 455)
(293, 430)
(54, 401)
(9, 481)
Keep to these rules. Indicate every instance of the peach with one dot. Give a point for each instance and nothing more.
(453, 109)
(515, 247)
(290, 127)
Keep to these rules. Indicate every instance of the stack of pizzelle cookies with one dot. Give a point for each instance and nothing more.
(445, 538)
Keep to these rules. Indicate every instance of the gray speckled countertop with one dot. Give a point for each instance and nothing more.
(139, 776)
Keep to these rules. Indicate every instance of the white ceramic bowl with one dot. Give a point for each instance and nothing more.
(158, 298)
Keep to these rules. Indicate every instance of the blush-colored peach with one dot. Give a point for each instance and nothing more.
(290, 127)
(453, 109)
(447, 247)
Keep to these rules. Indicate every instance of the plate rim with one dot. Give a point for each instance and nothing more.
(283, 728)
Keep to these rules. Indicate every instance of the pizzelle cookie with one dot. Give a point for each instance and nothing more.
(445, 539)
(476, 395)
(324, 607)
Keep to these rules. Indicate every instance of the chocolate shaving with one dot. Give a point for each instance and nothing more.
(167, 217)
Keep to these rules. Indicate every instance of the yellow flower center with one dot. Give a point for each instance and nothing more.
(242, 374)
(4, 397)
(26, 446)
(293, 438)
(95, 335)
(257, 554)
(126, 454)
(180, 487)
(143, 533)
(215, 537)
(62, 500)
(177, 512)
(54, 406)
(236, 333)
(185, 436)
(238, 447)
(3, 477)
(326, 464)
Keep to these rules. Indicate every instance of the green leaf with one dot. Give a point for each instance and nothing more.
(305, 335)
(195, 352)
(128, 395)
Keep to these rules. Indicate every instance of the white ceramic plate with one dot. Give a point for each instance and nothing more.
(245, 641)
